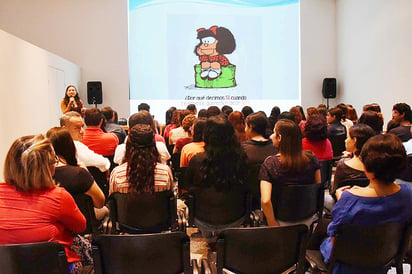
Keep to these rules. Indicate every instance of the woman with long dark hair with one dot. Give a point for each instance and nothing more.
(69, 174)
(71, 100)
(220, 172)
(292, 165)
(141, 172)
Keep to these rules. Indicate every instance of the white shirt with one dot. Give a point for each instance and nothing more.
(90, 158)
(408, 146)
(161, 148)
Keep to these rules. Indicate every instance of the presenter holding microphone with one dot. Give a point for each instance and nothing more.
(71, 100)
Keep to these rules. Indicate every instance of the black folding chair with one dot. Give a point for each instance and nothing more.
(365, 247)
(143, 213)
(144, 253)
(85, 204)
(33, 258)
(262, 249)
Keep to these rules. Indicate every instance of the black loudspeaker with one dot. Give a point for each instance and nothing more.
(94, 93)
(329, 88)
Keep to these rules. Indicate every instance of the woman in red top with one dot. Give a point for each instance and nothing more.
(32, 207)
(316, 140)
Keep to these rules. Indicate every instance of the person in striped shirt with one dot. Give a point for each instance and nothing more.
(141, 172)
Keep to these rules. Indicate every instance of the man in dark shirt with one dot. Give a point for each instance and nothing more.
(402, 114)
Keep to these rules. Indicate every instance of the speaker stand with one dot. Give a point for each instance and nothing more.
(327, 103)
(95, 104)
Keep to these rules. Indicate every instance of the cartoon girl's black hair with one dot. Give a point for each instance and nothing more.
(226, 41)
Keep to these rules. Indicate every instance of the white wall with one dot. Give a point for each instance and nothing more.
(375, 52)
(92, 34)
(31, 82)
(318, 49)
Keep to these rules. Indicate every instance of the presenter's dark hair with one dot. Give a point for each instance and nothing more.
(67, 98)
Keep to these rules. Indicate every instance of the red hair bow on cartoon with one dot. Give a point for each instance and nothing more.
(213, 29)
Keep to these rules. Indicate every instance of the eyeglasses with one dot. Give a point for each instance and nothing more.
(56, 160)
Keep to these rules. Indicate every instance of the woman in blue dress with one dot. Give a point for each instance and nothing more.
(382, 201)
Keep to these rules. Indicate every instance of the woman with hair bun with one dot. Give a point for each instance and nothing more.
(32, 208)
(382, 201)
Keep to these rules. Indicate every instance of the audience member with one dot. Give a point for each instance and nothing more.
(169, 114)
(212, 111)
(349, 169)
(195, 147)
(287, 115)
(111, 124)
(141, 172)
(292, 165)
(272, 119)
(372, 119)
(70, 175)
(295, 111)
(246, 110)
(202, 113)
(310, 111)
(174, 123)
(402, 114)
(143, 117)
(71, 100)
(227, 110)
(187, 125)
(103, 143)
(316, 137)
(334, 118)
(344, 121)
(237, 120)
(257, 149)
(351, 114)
(192, 108)
(146, 107)
(382, 201)
(73, 122)
(177, 133)
(220, 170)
(32, 208)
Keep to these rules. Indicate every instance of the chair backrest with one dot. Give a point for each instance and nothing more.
(217, 207)
(297, 202)
(144, 253)
(100, 178)
(261, 249)
(325, 173)
(338, 144)
(143, 213)
(85, 204)
(406, 175)
(33, 258)
(253, 185)
(369, 246)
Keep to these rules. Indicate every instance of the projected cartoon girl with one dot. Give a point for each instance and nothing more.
(214, 42)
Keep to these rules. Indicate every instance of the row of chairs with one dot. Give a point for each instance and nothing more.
(239, 250)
